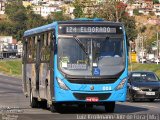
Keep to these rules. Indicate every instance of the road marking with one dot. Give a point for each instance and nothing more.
(150, 106)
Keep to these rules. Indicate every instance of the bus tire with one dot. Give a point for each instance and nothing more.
(109, 107)
(33, 101)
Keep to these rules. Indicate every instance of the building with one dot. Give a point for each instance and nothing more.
(156, 9)
(44, 11)
(19, 49)
(8, 46)
(2, 6)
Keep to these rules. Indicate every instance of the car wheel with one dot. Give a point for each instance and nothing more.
(109, 107)
(131, 98)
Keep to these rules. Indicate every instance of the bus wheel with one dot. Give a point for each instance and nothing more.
(33, 101)
(109, 107)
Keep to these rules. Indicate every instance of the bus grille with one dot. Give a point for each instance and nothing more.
(92, 81)
(82, 96)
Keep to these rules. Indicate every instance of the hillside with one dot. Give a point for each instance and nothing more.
(146, 27)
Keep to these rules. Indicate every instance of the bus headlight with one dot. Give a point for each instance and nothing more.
(121, 84)
(61, 84)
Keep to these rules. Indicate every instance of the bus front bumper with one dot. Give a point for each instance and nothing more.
(104, 96)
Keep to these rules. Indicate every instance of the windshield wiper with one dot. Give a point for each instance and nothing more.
(81, 44)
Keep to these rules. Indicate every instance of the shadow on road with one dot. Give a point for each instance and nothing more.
(100, 109)
(129, 109)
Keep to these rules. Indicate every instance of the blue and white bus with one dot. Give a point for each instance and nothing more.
(80, 61)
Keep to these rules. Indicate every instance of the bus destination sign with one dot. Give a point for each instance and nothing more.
(89, 29)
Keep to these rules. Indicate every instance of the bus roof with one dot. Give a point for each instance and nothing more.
(74, 21)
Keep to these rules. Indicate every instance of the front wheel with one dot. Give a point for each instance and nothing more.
(109, 107)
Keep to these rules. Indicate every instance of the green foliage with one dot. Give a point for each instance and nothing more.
(78, 11)
(11, 67)
(142, 29)
(15, 11)
(115, 11)
(154, 38)
(58, 16)
(19, 19)
(155, 1)
(130, 26)
(136, 12)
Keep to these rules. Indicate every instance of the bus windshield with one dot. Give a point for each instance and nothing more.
(78, 56)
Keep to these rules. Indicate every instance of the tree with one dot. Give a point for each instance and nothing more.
(130, 25)
(15, 11)
(112, 10)
(79, 9)
(19, 19)
(142, 29)
(58, 16)
(116, 11)
(156, 1)
(136, 12)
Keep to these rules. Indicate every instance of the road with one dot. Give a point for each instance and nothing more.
(12, 98)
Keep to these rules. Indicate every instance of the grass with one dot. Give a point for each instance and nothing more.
(14, 67)
(11, 67)
(145, 67)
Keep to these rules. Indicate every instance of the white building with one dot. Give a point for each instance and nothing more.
(8, 44)
(19, 48)
(2, 6)
(45, 10)
(156, 9)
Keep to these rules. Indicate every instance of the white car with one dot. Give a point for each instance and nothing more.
(12, 57)
(142, 60)
(157, 60)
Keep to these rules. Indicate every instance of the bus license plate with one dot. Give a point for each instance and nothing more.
(92, 99)
(150, 93)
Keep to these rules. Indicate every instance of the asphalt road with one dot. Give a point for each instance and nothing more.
(13, 100)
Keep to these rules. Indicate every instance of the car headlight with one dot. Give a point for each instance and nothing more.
(62, 84)
(121, 84)
(135, 88)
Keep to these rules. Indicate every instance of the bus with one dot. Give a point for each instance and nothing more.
(81, 61)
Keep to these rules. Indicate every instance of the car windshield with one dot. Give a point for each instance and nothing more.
(79, 56)
(141, 77)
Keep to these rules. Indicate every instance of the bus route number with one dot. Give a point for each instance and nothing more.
(107, 88)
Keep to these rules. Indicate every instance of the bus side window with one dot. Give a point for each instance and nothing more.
(31, 49)
(46, 47)
(24, 54)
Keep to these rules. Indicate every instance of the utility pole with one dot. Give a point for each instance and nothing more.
(157, 46)
(142, 49)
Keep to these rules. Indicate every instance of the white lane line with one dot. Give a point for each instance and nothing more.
(150, 106)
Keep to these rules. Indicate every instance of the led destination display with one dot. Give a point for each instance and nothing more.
(89, 29)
